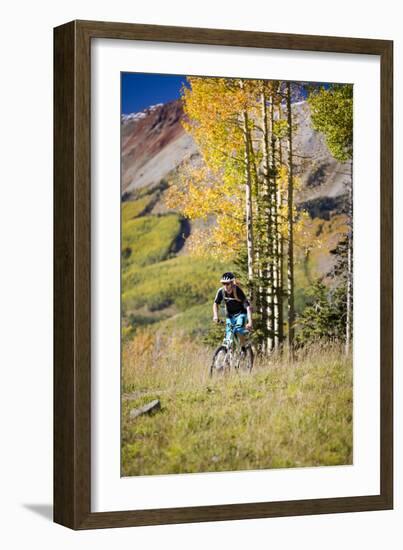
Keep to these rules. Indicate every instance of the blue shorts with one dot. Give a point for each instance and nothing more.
(238, 322)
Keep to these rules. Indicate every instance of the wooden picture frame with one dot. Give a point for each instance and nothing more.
(72, 272)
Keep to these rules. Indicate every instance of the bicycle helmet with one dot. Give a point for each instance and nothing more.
(228, 277)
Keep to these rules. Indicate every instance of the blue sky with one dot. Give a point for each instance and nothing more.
(140, 90)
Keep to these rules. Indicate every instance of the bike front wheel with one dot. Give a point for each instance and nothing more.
(220, 361)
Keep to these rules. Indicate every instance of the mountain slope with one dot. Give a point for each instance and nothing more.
(154, 144)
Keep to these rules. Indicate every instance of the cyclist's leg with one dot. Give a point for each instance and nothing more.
(228, 330)
(240, 329)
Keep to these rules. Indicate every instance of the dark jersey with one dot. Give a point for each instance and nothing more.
(235, 303)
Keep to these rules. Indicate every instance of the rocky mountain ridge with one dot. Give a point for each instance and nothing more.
(154, 145)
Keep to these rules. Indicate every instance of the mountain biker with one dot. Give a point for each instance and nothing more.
(238, 308)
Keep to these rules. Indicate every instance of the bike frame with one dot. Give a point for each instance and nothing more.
(233, 345)
(233, 338)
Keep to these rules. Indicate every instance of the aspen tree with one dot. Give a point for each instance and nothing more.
(290, 208)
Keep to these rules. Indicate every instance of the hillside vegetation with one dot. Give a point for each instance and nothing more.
(156, 283)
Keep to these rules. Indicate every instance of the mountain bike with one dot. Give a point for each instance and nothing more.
(229, 355)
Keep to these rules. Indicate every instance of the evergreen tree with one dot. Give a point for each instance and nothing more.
(323, 317)
(332, 114)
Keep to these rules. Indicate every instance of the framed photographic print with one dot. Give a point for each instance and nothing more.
(222, 275)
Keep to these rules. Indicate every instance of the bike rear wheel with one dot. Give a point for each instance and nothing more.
(220, 361)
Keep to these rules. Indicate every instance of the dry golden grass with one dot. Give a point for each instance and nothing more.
(281, 415)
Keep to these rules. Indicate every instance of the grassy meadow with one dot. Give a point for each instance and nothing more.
(281, 415)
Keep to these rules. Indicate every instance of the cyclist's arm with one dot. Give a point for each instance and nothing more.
(215, 311)
(217, 301)
(246, 305)
(249, 314)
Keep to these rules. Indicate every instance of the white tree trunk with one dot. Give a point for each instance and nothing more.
(248, 196)
(275, 239)
(268, 267)
(290, 201)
